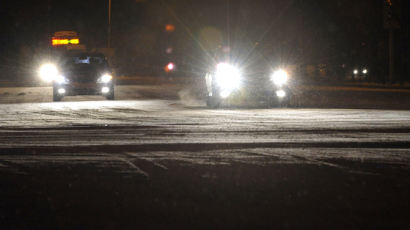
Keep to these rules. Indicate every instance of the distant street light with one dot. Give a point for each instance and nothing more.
(169, 28)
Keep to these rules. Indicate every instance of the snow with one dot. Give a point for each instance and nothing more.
(158, 129)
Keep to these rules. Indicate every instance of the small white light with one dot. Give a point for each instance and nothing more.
(280, 93)
(170, 66)
(355, 71)
(61, 91)
(225, 94)
(105, 90)
(364, 71)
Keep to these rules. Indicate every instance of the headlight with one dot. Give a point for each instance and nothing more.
(48, 72)
(355, 71)
(364, 71)
(279, 77)
(61, 91)
(227, 77)
(280, 93)
(105, 78)
(105, 90)
(61, 79)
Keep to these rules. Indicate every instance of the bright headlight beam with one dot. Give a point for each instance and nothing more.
(280, 77)
(106, 78)
(280, 93)
(227, 77)
(48, 72)
(61, 91)
(225, 94)
(105, 90)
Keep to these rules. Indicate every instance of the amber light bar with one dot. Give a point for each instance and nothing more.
(58, 41)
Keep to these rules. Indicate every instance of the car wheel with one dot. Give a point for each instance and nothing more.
(286, 101)
(111, 95)
(56, 96)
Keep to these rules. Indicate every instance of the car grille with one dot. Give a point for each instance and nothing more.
(83, 78)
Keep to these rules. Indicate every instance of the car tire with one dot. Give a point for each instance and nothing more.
(111, 95)
(56, 97)
(287, 101)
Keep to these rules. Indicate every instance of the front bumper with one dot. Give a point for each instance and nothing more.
(74, 89)
(251, 98)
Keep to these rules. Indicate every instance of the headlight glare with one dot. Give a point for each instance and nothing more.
(61, 79)
(280, 77)
(225, 93)
(280, 93)
(48, 72)
(105, 90)
(227, 77)
(61, 91)
(105, 78)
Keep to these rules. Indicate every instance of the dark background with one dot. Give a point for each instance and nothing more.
(299, 32)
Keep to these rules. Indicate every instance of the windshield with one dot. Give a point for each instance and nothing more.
(85, 60)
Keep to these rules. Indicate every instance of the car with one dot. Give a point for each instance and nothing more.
(80, 73)
(360, 73)
(258, 84)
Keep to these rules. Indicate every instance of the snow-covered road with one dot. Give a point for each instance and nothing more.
(154, 161)
(161, 125)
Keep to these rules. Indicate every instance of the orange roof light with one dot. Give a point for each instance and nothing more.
(75, 41)
(169, 28)
(58, 41)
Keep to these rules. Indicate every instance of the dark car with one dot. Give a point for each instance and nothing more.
(255, 82)
(83, 74)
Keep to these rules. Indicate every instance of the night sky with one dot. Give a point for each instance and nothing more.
(297, 31)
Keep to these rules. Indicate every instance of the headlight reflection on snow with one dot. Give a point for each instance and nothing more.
(87, 105)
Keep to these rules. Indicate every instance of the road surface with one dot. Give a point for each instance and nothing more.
(151, 162)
